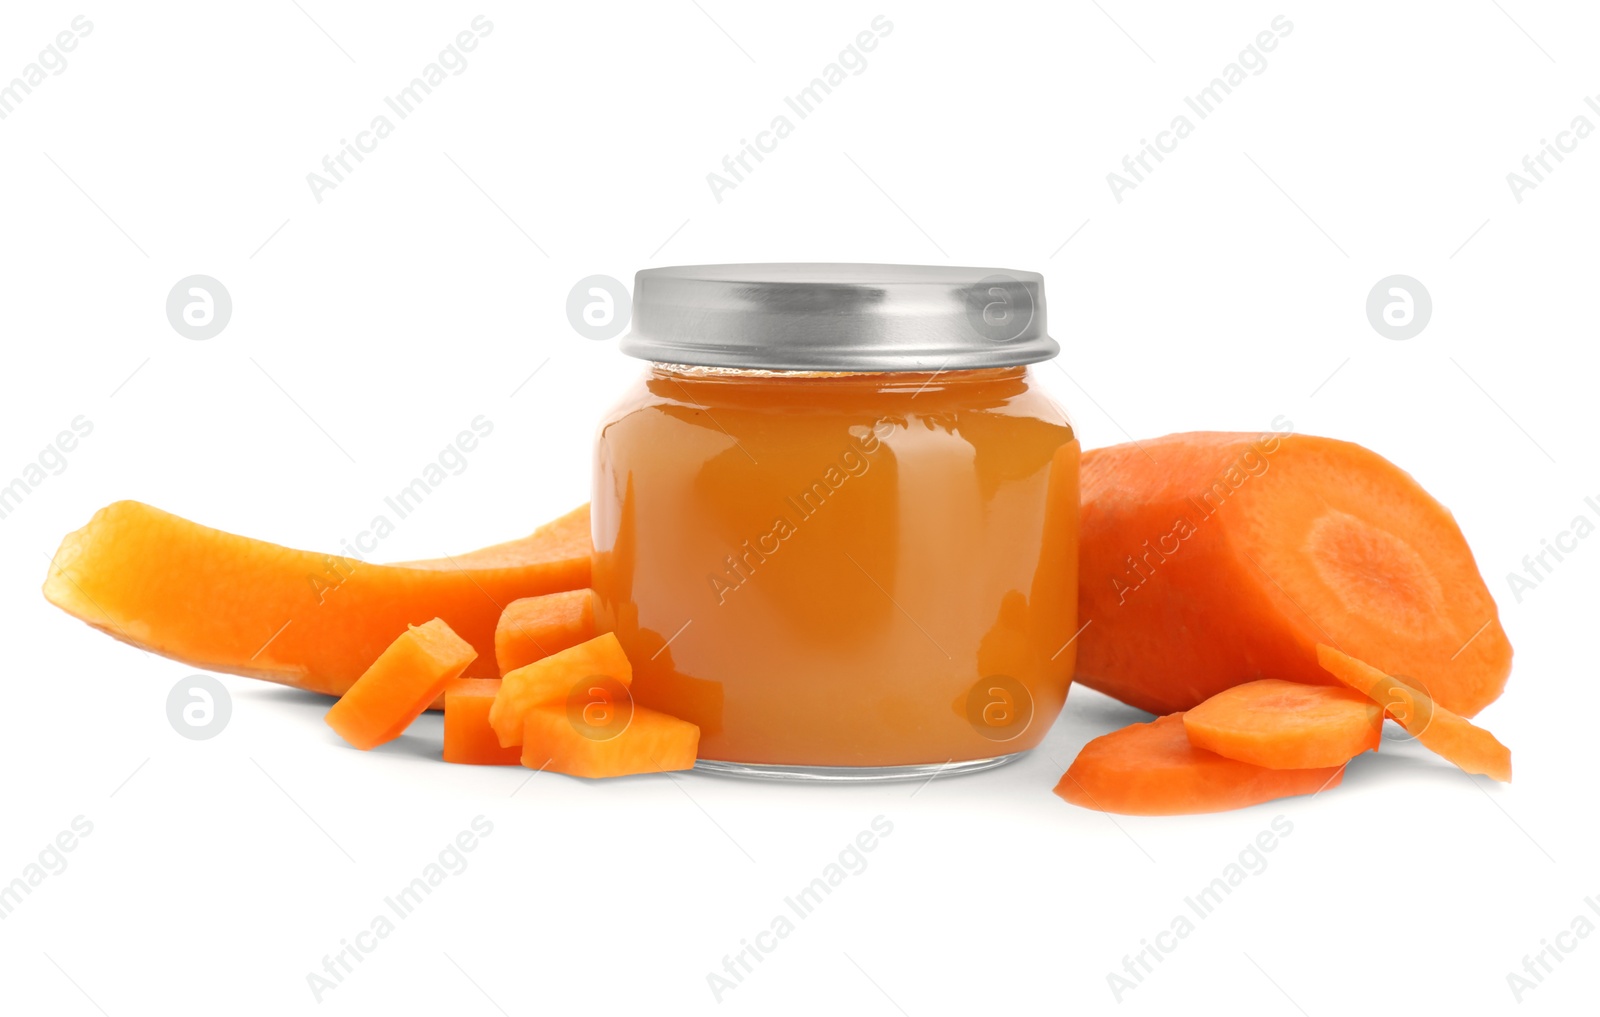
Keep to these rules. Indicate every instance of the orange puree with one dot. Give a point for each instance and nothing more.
(842, 569)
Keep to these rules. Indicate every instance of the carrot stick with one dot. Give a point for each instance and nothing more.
(1285, 725)
(468, 737)
(1437, 728)
(1236, 554)
(1152, 770)
(598, 663)
(650, 743)
(400, 684)
(535, 627)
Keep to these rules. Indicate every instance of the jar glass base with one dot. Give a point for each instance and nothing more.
(851, 774)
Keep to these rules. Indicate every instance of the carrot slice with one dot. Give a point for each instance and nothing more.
(553, 739)
(400, 684)
(1238, 553)
(553, 679)
(1285, 725)
(1152, 770)
(1437, 728)
(535, 627)
(468, 738)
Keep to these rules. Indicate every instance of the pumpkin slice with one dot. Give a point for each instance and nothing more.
(314, 621)
(596, 664)
(1438, 729)
(400, 684)
(468, 736)
(555, 738)
(535, 627)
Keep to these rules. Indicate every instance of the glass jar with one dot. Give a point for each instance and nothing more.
(835, 523)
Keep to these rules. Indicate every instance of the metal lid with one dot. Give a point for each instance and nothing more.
(823, 317)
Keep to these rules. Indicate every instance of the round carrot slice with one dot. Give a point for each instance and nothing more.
(1285, 725)
(1449, 734)
(1152, 770)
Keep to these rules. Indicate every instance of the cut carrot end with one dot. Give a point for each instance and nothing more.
(468, 736)
(599, 663)
(1153, 770)
(400, 684)
(650, 742)
(533, 628)
(1285, 725)
(1448, 734)
(1238, 553)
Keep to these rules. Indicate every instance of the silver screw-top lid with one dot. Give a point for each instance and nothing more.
(824, 317)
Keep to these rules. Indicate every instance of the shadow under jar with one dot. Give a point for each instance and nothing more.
(835, 523)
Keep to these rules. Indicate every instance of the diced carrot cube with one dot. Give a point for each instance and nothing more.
(400, 684)
(553, 739)
(554, 678)
(533, 628)
(468, 738)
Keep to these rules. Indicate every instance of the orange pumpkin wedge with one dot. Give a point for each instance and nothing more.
(1439, 730)
(229, 603)
(468, 737)
(650, 742)
(535, 627)
(400, 684)
(576, 671)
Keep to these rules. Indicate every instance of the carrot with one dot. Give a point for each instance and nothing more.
(598, 663)
(1285, 725)
(400, 684)
(1236, 554)
(1436, 727)
(468, 738)
(535, 627)
(1152, 770)
(650, 743)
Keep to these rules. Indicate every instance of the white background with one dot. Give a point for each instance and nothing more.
(369, 328)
